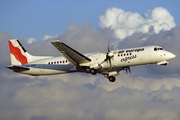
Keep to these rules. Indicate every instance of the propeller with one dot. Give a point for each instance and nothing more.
(128, 70)
(109, 55)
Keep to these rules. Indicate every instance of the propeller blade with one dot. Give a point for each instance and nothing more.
(128, 70)
(108, 57)
(108, 49)
(110, 62)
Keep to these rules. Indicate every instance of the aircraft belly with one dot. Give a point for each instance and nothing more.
(49, 70)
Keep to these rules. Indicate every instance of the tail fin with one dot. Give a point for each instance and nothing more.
(19, 56)
(17, 53)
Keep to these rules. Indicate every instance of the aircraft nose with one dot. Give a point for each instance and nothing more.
(171, 55)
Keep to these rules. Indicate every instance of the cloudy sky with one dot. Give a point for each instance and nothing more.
(148, 93)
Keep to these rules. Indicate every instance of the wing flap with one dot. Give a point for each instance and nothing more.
(73, 56)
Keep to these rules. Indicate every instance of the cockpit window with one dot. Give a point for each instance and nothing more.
(156, 49)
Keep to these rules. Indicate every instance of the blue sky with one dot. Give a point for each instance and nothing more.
(36, 18)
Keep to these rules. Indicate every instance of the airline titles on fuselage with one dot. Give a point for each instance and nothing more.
(128, 54)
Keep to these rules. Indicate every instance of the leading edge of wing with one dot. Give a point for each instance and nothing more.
(73, 56)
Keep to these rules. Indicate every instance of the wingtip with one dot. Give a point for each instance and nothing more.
(55, 41)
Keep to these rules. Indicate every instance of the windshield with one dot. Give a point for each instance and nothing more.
(156, 49)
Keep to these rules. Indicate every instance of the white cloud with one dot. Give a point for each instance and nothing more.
(47, 37)
(139, 83)
(124, 24)
(30, 40)
(59, 97)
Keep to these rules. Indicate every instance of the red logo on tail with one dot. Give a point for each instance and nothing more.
(17, 54)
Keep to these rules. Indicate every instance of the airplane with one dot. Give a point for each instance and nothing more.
(108, 63)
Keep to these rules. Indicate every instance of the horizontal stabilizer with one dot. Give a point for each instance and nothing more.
(17, 68)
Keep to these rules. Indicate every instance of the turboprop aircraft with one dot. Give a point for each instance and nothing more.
(108, 63)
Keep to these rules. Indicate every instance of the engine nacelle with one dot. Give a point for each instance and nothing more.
(163, 63)
(95, 66)
(114, 73)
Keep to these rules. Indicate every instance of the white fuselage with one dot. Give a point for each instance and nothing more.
(121, 58)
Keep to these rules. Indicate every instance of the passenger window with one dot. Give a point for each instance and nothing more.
(155, 49)
(57, 62)
(51, 62)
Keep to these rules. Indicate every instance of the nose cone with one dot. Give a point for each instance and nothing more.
(171, 55)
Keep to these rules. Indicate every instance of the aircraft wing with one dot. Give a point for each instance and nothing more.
(74, 57)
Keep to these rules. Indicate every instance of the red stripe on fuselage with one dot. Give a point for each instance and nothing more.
(17, 54)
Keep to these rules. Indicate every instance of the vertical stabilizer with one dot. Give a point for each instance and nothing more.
(19, 56)
(17, 53)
